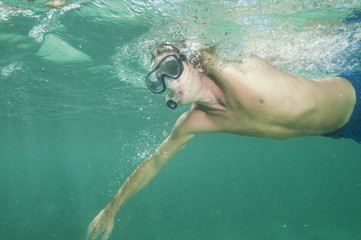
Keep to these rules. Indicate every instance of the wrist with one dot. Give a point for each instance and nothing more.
(109, 211)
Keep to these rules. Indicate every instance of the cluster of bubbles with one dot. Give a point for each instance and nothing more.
(315, 38)
(9, 69)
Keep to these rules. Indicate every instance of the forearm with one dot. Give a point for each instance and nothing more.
(141, 176)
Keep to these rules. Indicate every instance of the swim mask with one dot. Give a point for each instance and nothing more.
(170, 68)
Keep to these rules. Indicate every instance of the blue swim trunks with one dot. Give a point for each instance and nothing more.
(352, 129)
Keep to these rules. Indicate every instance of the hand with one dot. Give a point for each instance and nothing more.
(103, 222)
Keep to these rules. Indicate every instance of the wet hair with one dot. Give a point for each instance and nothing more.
(179, 49)
(167, 47)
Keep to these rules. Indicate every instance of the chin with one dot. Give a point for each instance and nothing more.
(185, 98)
(185, 101)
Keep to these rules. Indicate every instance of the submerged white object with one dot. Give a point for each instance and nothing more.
(57, 50)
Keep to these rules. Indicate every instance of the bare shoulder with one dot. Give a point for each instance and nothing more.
(248, 64)
(214, 64)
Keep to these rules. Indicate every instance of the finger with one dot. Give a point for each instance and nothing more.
(92, 234)
(107, 232)
(105, 236)
(92, 224)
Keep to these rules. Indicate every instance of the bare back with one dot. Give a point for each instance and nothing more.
(261, 100)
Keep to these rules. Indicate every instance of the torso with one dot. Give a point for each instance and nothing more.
(261, 100)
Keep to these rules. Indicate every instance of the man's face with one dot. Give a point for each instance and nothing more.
(178, 89)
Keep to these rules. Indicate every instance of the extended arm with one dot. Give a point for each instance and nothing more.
(147, 170)
(104, 221)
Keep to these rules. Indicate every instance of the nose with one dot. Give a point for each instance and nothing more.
(170, 83)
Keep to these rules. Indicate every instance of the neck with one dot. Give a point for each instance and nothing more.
(210, 95)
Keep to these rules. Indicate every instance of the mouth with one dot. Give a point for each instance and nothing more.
(172, 102)
(177, 97)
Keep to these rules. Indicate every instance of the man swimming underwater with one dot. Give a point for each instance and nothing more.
(250, 98)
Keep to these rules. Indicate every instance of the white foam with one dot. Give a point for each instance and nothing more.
(11, 68)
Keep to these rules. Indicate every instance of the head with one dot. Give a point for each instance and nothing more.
(170, 74)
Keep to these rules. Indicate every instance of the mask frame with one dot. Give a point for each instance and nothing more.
(155, 80)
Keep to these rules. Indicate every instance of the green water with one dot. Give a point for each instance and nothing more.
(76, 119)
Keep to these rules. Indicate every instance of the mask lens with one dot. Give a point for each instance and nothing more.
(170, 66)
(154, 83)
